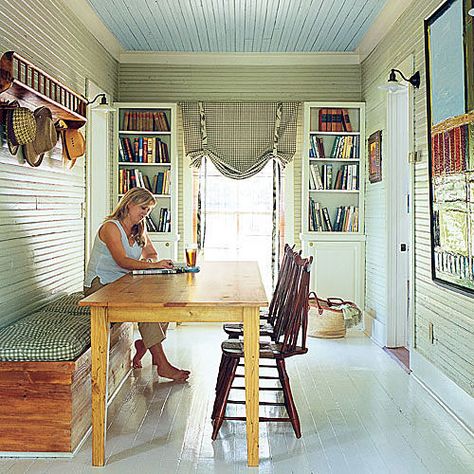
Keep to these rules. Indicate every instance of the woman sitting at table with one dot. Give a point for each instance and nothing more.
(122, 245)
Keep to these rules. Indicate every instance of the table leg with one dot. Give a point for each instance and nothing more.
(251, 338)
(100, 358)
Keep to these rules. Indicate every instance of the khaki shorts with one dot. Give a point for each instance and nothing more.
(152, 333)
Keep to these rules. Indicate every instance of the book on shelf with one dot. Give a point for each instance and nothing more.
(150, 224)
(346, 218)
(143, 150)
(327, 170)
(327, 220)
(346, 121)
(145, 121)
(146, 181)
(334, 120)
(316, 182)
(316, 147)
(347, 178)
(131, 178)
(345, 147)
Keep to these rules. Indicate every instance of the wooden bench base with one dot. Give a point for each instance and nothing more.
(46, 406)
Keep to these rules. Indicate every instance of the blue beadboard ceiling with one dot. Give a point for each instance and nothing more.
(238, 25)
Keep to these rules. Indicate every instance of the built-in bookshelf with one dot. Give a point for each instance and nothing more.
(333, 171)
(146, 157)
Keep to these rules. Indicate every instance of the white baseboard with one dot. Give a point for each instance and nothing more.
(375, 329)
(453, 398)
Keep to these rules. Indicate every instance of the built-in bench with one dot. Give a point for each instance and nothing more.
(45, 381)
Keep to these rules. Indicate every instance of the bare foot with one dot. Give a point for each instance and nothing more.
(173, 373)
(141, 351)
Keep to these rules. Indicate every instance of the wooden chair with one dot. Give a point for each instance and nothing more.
(289, 339)
(270, 316)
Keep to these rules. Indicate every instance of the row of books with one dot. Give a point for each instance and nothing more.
(334, 120)
(343, 147)
(346, 218)
(347, 177)
(131, 178)
(143, 150)
(164, 221)
(145, 121)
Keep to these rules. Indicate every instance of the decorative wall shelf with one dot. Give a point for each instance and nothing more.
(34, 88)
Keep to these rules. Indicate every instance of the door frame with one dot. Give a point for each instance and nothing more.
(98, 171)
(399, 330)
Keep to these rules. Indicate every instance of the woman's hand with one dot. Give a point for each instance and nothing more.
(163, 264)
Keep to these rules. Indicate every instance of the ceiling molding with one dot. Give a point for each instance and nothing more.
(390, 13)
(88, 17)
(231, 59)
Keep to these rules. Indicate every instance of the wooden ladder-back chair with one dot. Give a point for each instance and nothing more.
(268, 317)
(289, 340)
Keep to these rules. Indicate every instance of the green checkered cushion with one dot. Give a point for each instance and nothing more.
(68, 304)
(45, 336)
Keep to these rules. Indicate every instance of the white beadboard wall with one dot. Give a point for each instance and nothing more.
(41, 209)
(171, 83)
(451, 313)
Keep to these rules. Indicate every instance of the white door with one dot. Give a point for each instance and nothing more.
(399, 241)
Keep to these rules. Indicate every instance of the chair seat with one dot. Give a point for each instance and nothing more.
(267, 350)
(237, 329)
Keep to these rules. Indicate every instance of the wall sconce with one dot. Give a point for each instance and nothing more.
(471, 12)
(393, 85)
(103, 106)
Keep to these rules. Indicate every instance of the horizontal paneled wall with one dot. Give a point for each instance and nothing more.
(451, 313)
(41, 209)
(160, 82)
(172, 83)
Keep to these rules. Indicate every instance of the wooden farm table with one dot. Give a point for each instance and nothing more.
(220, 292)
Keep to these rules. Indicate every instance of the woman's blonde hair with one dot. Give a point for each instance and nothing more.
(137, 196)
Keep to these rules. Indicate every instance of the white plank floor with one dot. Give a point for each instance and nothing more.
(360, 413)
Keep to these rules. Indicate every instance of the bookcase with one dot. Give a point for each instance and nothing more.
(333, 183)
(145, 144)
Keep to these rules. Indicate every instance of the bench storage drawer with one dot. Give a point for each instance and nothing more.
(46, 406)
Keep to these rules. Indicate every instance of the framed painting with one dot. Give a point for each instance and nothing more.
(375, 157)
(449, 54)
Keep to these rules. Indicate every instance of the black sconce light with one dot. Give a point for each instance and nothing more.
(413, 80)
(393, 85)
(103, 106)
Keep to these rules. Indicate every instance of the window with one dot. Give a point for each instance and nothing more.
(239, 219)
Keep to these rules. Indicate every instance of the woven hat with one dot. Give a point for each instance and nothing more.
(21, 127)
(74, 145)
(45, 139)
(6, 71)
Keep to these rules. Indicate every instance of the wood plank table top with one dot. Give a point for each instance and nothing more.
(218, 283)
(221, 291)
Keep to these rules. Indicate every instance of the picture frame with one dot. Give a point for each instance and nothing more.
(450, 105)
(375, 156)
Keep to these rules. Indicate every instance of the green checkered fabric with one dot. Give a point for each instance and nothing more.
(239, 137)
(47, 335)
(68, 304)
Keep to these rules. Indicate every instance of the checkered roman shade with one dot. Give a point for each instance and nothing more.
(239, 137)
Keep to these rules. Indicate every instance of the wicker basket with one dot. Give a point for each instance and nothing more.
(328, 325)
(325, 321)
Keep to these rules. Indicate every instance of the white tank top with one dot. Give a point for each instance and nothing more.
(102, 264)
